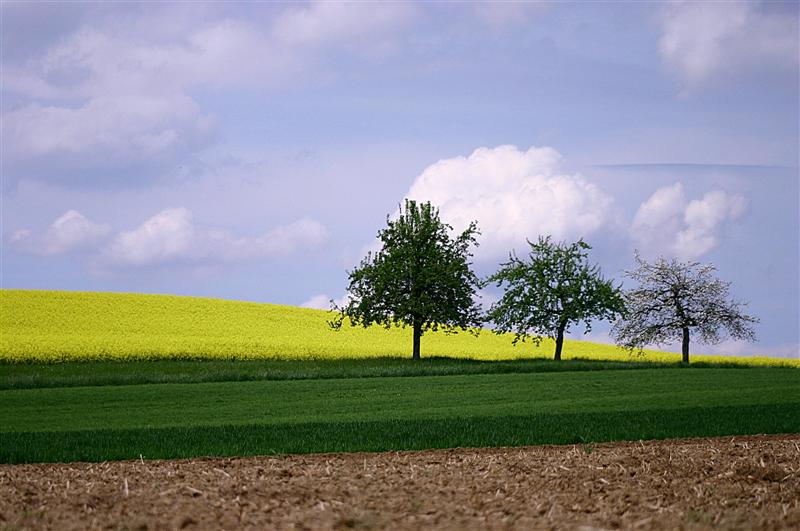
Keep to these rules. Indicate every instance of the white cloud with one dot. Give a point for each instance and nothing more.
(171, 50)
(667, 223)
(121, 128)
(513, 195)
(166, 237)
(323, 301)
(318, 302)
(660, 217)
(702, 219)
(171, 237)
(322, 23)
(70, 232)
(113, 93)
(131, 95)
(280, 241)
(702, 40)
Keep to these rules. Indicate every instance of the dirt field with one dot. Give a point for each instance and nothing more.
(742, 482)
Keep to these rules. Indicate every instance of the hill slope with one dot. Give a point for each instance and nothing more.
(47, 326)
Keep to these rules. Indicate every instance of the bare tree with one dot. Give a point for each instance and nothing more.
(676, 299)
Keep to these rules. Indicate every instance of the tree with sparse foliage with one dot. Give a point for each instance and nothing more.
(554, 288)
(421, 277)
(674, 300)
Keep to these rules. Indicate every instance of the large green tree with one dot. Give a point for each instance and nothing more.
(549, 291)
(421, 277)
(674, 300)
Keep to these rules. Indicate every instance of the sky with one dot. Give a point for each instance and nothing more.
(252, 151)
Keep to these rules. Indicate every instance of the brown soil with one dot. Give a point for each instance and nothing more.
(732, 483)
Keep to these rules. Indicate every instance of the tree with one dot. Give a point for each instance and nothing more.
(675, 299)
(421, 277)
(550, 291)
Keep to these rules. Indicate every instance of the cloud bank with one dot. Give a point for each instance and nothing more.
(169, 237)
(112, 95)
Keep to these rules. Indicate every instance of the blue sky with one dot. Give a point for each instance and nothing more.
(252, 151)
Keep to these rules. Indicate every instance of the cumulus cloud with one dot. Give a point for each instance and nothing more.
(71, 232)
(167, 236)
(514, 195)
(701, 40)
(668, 223)
(171, 236)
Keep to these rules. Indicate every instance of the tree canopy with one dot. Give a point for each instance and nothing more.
(421, 277)
(550, 290)
(675, 299)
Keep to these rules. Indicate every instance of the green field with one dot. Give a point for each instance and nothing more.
(54, 326)
(96, 373)
(350, 414)
(98, 376)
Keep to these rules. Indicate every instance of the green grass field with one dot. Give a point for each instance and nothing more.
(97, 373)
(98, 376)
(54, 326)
(351, 414)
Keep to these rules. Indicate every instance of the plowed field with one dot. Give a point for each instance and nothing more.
(729, 483)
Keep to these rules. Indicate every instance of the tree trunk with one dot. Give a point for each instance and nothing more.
(417, 336)
(559, 342)
(685, 345)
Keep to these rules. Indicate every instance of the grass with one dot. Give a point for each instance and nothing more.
(58, 326)
(98, 373)
(375, 436)
(274, 416)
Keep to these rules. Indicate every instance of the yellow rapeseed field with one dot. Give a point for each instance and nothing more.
(53, 326)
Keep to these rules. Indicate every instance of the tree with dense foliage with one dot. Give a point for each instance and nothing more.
(675, 299)
(554, 288)
(421, 277)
